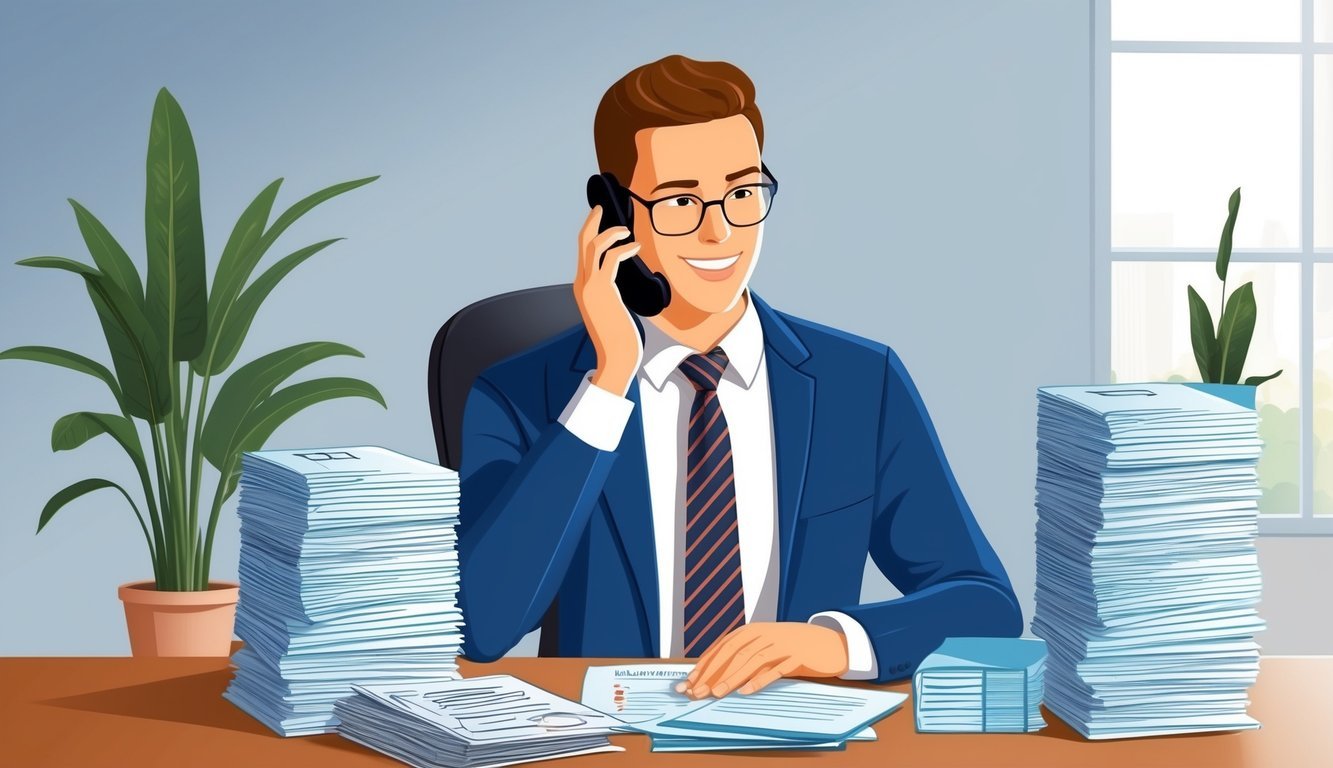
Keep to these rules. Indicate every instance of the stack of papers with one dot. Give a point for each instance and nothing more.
(786, 714)
(474, 723)
(1147, 573)
(348, 574)
(981, 685)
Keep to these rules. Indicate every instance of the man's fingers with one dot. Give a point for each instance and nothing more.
(709, 670)
(768, 676)
(760, 681)
(708, 655)
(703, 659)
(744, 666)
(739, 657)
(605, 240)
(615, 256)
(586, 233)
(590, 224)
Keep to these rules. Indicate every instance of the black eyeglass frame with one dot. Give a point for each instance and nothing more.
(703, 211)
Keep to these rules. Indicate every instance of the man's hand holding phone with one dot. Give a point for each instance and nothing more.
(612, 329)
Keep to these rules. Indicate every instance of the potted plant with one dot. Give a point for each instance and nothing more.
(1220, 352)
(162, 336)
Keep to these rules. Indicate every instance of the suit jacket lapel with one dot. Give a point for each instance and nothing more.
(626, 488)
(791, 395)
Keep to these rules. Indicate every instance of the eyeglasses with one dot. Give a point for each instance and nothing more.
(743, 206)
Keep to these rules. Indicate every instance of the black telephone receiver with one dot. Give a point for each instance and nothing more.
(644, 292)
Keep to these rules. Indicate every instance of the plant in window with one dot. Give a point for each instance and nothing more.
(1220, 351)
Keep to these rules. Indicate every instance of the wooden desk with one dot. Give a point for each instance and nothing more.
(91, 711)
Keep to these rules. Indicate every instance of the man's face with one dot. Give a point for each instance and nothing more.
(708, 160)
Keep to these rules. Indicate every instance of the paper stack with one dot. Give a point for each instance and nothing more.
(474, 723)
(348, 574)
(981, 685)
(787, 714)
(1147, 573)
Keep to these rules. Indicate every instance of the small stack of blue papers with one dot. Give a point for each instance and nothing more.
(348, 574)
(981, 685)
(1147, 571)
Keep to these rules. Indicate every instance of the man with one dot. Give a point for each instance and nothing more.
(707, 482)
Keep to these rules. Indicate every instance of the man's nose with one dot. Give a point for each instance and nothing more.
(714, 228)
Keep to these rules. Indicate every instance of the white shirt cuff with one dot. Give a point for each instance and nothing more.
(597, 416)
(861, 663)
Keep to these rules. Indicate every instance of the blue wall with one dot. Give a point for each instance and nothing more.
(934, 157)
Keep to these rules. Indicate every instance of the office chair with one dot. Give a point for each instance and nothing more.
(479, 335)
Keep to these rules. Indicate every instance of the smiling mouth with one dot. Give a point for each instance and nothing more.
(713, 265)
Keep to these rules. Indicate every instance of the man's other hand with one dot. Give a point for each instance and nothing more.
(755, 655)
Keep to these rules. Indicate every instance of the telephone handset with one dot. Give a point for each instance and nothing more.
(644, 292)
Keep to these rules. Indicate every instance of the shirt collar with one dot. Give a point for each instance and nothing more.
(744, 345)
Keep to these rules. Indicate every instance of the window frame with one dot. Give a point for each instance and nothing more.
(1303, 522)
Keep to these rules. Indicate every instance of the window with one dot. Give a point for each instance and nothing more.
(1192, 99)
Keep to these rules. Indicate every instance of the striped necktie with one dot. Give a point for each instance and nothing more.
(714, 599)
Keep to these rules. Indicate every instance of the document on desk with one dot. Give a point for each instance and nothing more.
(637, 694)
(668, 738)
(644, 697)
(480, 722)
(793, 709)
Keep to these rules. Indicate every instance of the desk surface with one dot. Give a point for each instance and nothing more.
(120, 711)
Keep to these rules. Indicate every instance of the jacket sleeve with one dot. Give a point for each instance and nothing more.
(925, 540)
(522, 511)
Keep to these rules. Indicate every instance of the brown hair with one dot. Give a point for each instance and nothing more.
(674, 90)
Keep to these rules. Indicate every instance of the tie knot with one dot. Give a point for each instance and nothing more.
(705, 371)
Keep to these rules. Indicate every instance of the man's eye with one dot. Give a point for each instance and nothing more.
(741, 194)
(680, 202)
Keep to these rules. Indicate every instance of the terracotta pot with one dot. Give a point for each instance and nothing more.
(196, 623)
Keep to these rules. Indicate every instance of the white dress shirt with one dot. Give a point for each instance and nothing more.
(598, 417)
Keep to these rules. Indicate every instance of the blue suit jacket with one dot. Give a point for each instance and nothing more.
(556, 533)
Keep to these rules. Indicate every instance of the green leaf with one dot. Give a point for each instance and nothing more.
(235, 271)
(289, 401)
(139, 361)
(177, 295)
(75, 490)
(1201, 336)
(228, 486)
(1224, 247)
(110, 258)
(72, 492)
(135, 354)
(59, 262)
(235, 324)
(260, 424)
(73, 430)
(1255, 381)
(234, 267)
(237, 263)
(248, 386)
(1236, 328)
(66, 359)
(301, 208)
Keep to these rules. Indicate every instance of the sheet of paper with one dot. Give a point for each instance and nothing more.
(793, 709)
(637, 693)
(697, 745)
(643, 695)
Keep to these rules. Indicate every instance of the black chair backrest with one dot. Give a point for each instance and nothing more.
(479, 335)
